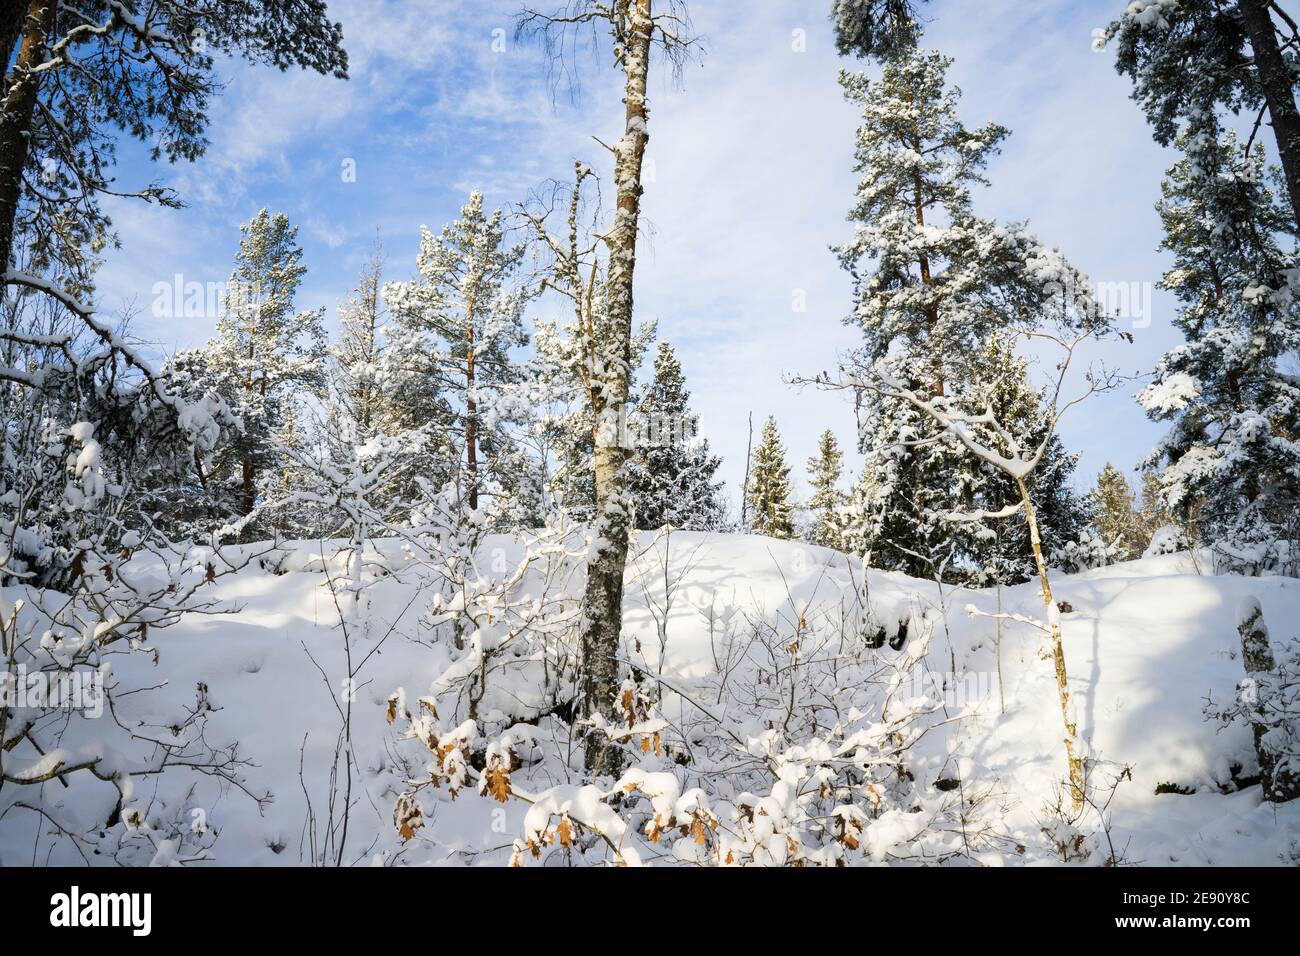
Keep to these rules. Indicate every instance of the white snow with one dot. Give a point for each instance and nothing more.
(1146, 642)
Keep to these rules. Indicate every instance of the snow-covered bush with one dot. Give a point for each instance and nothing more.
(502, 622)
(69, 757)
(1166, 540)
(795, 751)
(1086, 552)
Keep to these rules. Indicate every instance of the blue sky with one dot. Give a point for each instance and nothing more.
(750, 180)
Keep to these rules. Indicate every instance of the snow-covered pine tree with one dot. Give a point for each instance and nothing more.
(1195, 60)
(770, 508)
(827, 502)
(1229, 464)
(875, 28)
(266, 358)
(1113, 514)
(79, 74)
(934, 284)
(360, 353)
(1152, 512)
(452, 335)
(672, 479)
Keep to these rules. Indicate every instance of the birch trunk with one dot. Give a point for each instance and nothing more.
(1073, 747)
(603, 609)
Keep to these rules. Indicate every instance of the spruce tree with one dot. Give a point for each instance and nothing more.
(827, 502)
(1229, 463)
(672, 479)
(770, 509)
(1114, 517)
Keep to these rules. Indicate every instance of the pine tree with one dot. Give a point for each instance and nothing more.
(1152, 512)
(1195, 61)
(360, 353)
(770, 508)
(934, 285)
(266, 356)
(452, 338)
(874, 28)
(827, 503)
(1229, 463)
(77, 74)
(1114, 517)
(672, 480)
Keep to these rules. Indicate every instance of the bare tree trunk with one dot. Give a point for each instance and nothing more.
(1279, 785)
(1276, 81)
(1073, 748)
(17, 109)
(744, 489)
(471, 409)
(997, 647)
(603, 617)
(248, 468)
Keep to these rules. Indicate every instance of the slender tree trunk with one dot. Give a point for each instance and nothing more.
(744, 489)
(603, 611)
(248, 468)
(471, 409)
(17, 108)
(1073, 748)
(1276, 81)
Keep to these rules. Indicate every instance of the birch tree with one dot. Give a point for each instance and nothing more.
(969, 419)
(636, 30)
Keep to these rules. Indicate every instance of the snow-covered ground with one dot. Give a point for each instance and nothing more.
(1146, 643)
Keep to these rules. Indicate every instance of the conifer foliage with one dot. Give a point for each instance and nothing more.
(672, 478)
(770, 509)
(935, 285)
(1229, 462)
(267, 356)
(827, 502)
(453, 331)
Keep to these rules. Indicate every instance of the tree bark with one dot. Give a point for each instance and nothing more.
(1073, 748)
(1279, 784)
(17, 108)
(603, 610)
(12, 15)
(471, 409)
(1279, 93)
